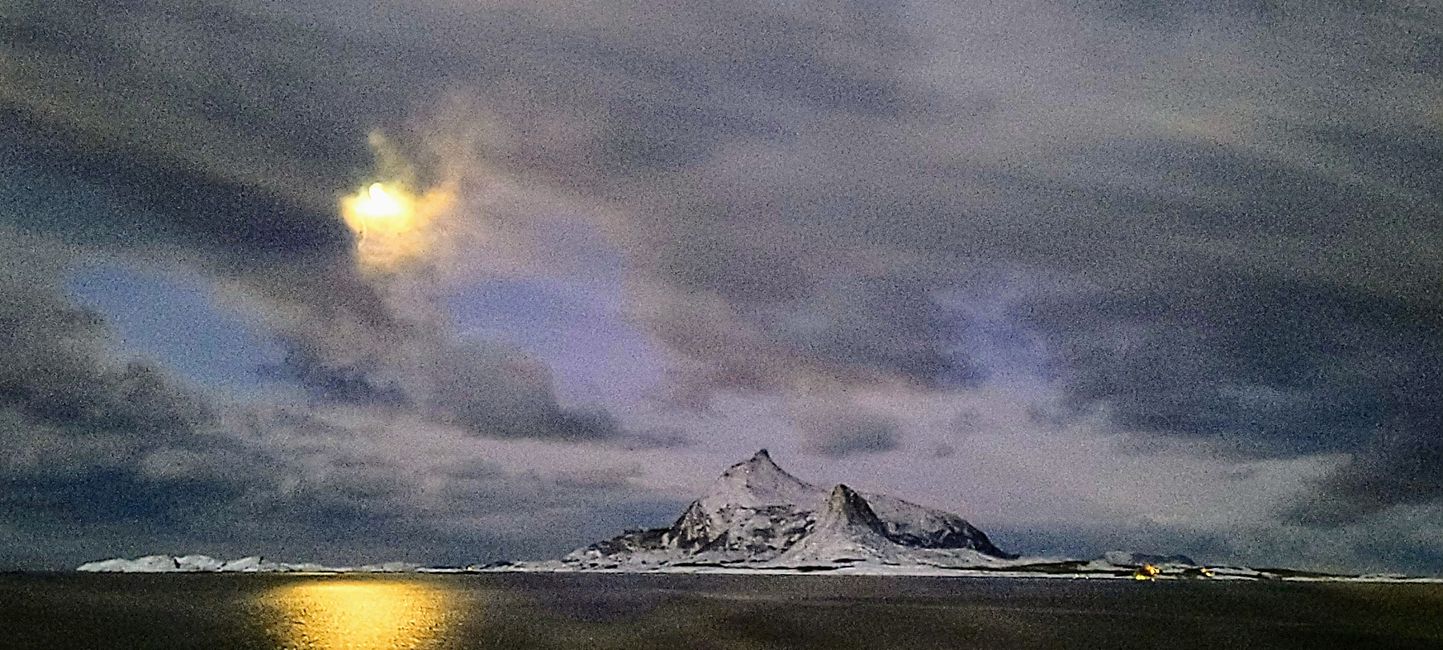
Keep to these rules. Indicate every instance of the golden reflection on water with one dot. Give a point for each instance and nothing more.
(360, 614)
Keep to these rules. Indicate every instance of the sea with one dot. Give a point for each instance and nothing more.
(539, 610)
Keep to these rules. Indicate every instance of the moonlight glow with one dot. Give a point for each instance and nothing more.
(389, 222)
(379, 206)
(360, 614)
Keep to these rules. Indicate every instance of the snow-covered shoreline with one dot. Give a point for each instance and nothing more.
(196, 563)
(201, 564)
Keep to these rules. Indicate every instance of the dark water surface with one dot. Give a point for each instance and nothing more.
(678, 611)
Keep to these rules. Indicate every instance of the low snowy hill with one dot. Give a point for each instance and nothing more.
(249, 564)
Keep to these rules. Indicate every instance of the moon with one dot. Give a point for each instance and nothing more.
(388, 223)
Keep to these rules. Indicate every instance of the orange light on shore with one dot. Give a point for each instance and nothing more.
(1146, 572)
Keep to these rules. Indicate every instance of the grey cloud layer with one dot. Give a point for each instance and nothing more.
(1224, 219)
(65, 402)
(103, 454)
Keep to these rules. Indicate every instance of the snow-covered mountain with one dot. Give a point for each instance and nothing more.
(756, 514)
(757, 517)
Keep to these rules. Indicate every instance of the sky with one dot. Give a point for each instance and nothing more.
(454, 281)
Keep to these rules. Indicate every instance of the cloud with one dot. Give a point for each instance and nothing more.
(422, 366)
(860, 331)
(1266, 368)
(93, 439)
(120, 448)
(1397, 468)
(836, 431)
(65, 400)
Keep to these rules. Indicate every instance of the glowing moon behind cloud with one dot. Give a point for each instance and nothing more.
(378, 206)
(390, 223)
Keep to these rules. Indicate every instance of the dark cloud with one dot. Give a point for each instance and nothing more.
(417, 364)
(1282, 367)
(1267, 368)
(96, 440)
(66, 402)
(1399, 466)
(146, 199)
(837, 431)
(194, 84)
(276, 481)
(853, 330)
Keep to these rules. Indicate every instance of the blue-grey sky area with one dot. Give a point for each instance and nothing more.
(453, 281)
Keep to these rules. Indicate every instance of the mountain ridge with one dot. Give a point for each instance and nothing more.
(758, 514)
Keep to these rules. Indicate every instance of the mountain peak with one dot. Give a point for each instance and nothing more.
(760, 461)
(847, 530)
(847, 508)
(760, 481)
